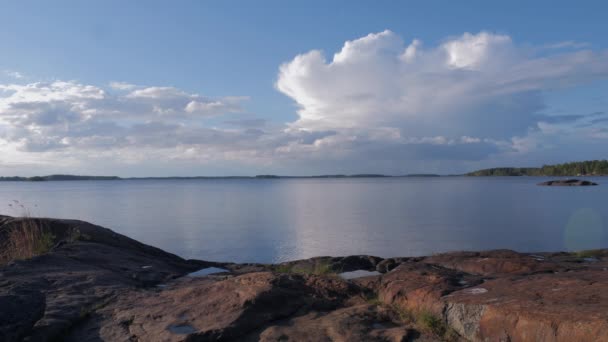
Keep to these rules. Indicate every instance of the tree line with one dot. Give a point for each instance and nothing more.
(582, 168)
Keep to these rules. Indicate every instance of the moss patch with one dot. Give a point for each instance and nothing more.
(319, 267)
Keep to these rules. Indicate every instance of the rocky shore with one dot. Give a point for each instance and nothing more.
(95, 285)
(567, 182)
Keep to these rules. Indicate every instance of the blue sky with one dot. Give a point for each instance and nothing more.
(227, 55)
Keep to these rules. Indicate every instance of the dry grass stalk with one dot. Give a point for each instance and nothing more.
(26, 238)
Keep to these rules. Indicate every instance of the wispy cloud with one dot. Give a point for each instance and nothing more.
(13, 74)
(122, 85)
(568, 44)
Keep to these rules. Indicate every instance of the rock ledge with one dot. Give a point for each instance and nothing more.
(101, 286)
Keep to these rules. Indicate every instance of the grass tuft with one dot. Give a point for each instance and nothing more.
(26, 238)
(436, 326)
(428, 322)
(431, 323)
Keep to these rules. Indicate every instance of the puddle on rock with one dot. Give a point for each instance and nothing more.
(476, 290)
(182, 329)
(358, 274)
(207, 271)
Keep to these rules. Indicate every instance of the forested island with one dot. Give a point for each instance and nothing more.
(583, 168)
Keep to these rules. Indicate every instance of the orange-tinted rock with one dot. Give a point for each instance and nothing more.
(205, 309)
(369, 283)
(492, 263)
(101, 287)
(355, 323)
(570, 306)
(419, 287)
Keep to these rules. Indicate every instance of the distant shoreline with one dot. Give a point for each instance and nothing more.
(51, 178)
(590, 168)
(82, 178)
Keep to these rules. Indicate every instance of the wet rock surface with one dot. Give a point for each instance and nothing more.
(97, 285)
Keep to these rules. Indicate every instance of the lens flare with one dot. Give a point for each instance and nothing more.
(584, 230)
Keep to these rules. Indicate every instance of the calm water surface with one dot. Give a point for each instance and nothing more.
(269, 220)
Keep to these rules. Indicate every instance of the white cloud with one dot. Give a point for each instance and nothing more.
(475, 89)
(69, 116)
(214, 107)
(379, 105)
(475, 52)
(122, 85)
(14, 74)
(157, 93)
(411, 51)
(568, 44)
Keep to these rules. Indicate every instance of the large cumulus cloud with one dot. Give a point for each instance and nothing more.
(472, 89)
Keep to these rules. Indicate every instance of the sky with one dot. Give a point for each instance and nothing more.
(213, 88)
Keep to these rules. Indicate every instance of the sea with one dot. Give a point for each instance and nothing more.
(275, 220)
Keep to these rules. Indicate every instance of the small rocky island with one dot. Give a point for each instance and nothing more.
(93, 284)
(567, 182)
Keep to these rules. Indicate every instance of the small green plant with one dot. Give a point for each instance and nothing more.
(282, 268)
(431, 323)
(322, 268)
(318, 268)
(590, 253)
(373, 299)
(437, 326)
(426, 321)
(405, 316)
